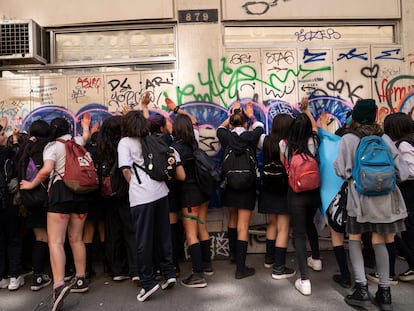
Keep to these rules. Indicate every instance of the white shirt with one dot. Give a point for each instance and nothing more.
(56, 152)
(407, 153)
(149, 190)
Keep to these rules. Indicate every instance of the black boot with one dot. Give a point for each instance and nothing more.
(360, 297)
(383, 298)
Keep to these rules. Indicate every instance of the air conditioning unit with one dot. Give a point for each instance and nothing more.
(23, 42)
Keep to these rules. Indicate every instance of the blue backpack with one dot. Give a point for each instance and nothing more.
(374, 170)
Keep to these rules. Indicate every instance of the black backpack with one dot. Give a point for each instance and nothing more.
(112, 181)
(207, 171)
(159, 159)
(274, 177)
(239, 168)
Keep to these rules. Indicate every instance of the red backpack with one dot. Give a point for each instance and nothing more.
(80, 172)
(303, 173)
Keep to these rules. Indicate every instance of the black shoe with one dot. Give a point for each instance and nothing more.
(232, 258)
(282, 272)
(248, 271)
(59, 295)
(344, 281)
(383, 298)
(80, 285)
(196, 280)
(360, 297)
(40, 281)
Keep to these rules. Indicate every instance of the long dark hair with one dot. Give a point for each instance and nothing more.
(134, 124)
(39, 132)
(280, 130)
(58, 127)
(398, 125)
(183, 130)
(299, 134)
(108, 138)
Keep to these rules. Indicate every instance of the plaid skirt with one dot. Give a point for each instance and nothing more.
(354, 227)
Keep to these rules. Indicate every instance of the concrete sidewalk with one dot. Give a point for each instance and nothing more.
(224, 292)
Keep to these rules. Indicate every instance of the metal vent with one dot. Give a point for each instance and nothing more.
(22, 42)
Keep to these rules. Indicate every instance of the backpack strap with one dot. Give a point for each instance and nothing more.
(404, 139)
(134, 167)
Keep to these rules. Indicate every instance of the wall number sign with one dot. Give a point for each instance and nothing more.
(198, 16)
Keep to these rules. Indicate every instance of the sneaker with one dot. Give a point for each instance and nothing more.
(248, 271)
(407, 275)
(59, 295)
(4, 283)
(374, 277)
(119, 278)
(144, 294)
(345, 282)
(169, 283)
(195, 280)
(39, 281)
(315, 264)
(282, 272)
(303, 286)
(80, 285)
(68, 277)
(16, 283)
(208, 268)
(269, 261)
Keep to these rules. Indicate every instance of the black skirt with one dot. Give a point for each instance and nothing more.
(272, 203)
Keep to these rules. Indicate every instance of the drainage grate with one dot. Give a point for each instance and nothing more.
(14, 39)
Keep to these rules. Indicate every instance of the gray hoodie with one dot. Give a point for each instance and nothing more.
(374, 209)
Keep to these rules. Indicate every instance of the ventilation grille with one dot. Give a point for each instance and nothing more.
(22, 42)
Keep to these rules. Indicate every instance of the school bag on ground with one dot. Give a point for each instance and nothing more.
(159, 159)
(303, 173)
(207, 171)
(374, 171)
(80, 172)
(239, 168)
(113, 183)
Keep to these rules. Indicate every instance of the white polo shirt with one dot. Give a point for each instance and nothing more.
(149, 190)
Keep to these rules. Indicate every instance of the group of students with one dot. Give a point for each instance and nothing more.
(142, 224)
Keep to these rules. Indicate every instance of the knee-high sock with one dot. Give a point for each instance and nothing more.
(196, 257)
(392, 253)
(39, 255)
(232, 234)
(340, 256)
(280, 256)
(205, 250)
(383, 264)
(241, 255)
(357, 260)
(270, 248)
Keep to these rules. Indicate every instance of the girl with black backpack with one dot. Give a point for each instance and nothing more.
(35, 201)
(273, 197)
(239, 140)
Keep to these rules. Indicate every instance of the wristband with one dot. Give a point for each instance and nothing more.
(252, 119)
(176, 109)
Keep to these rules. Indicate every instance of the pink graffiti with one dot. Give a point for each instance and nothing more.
(89, 82)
